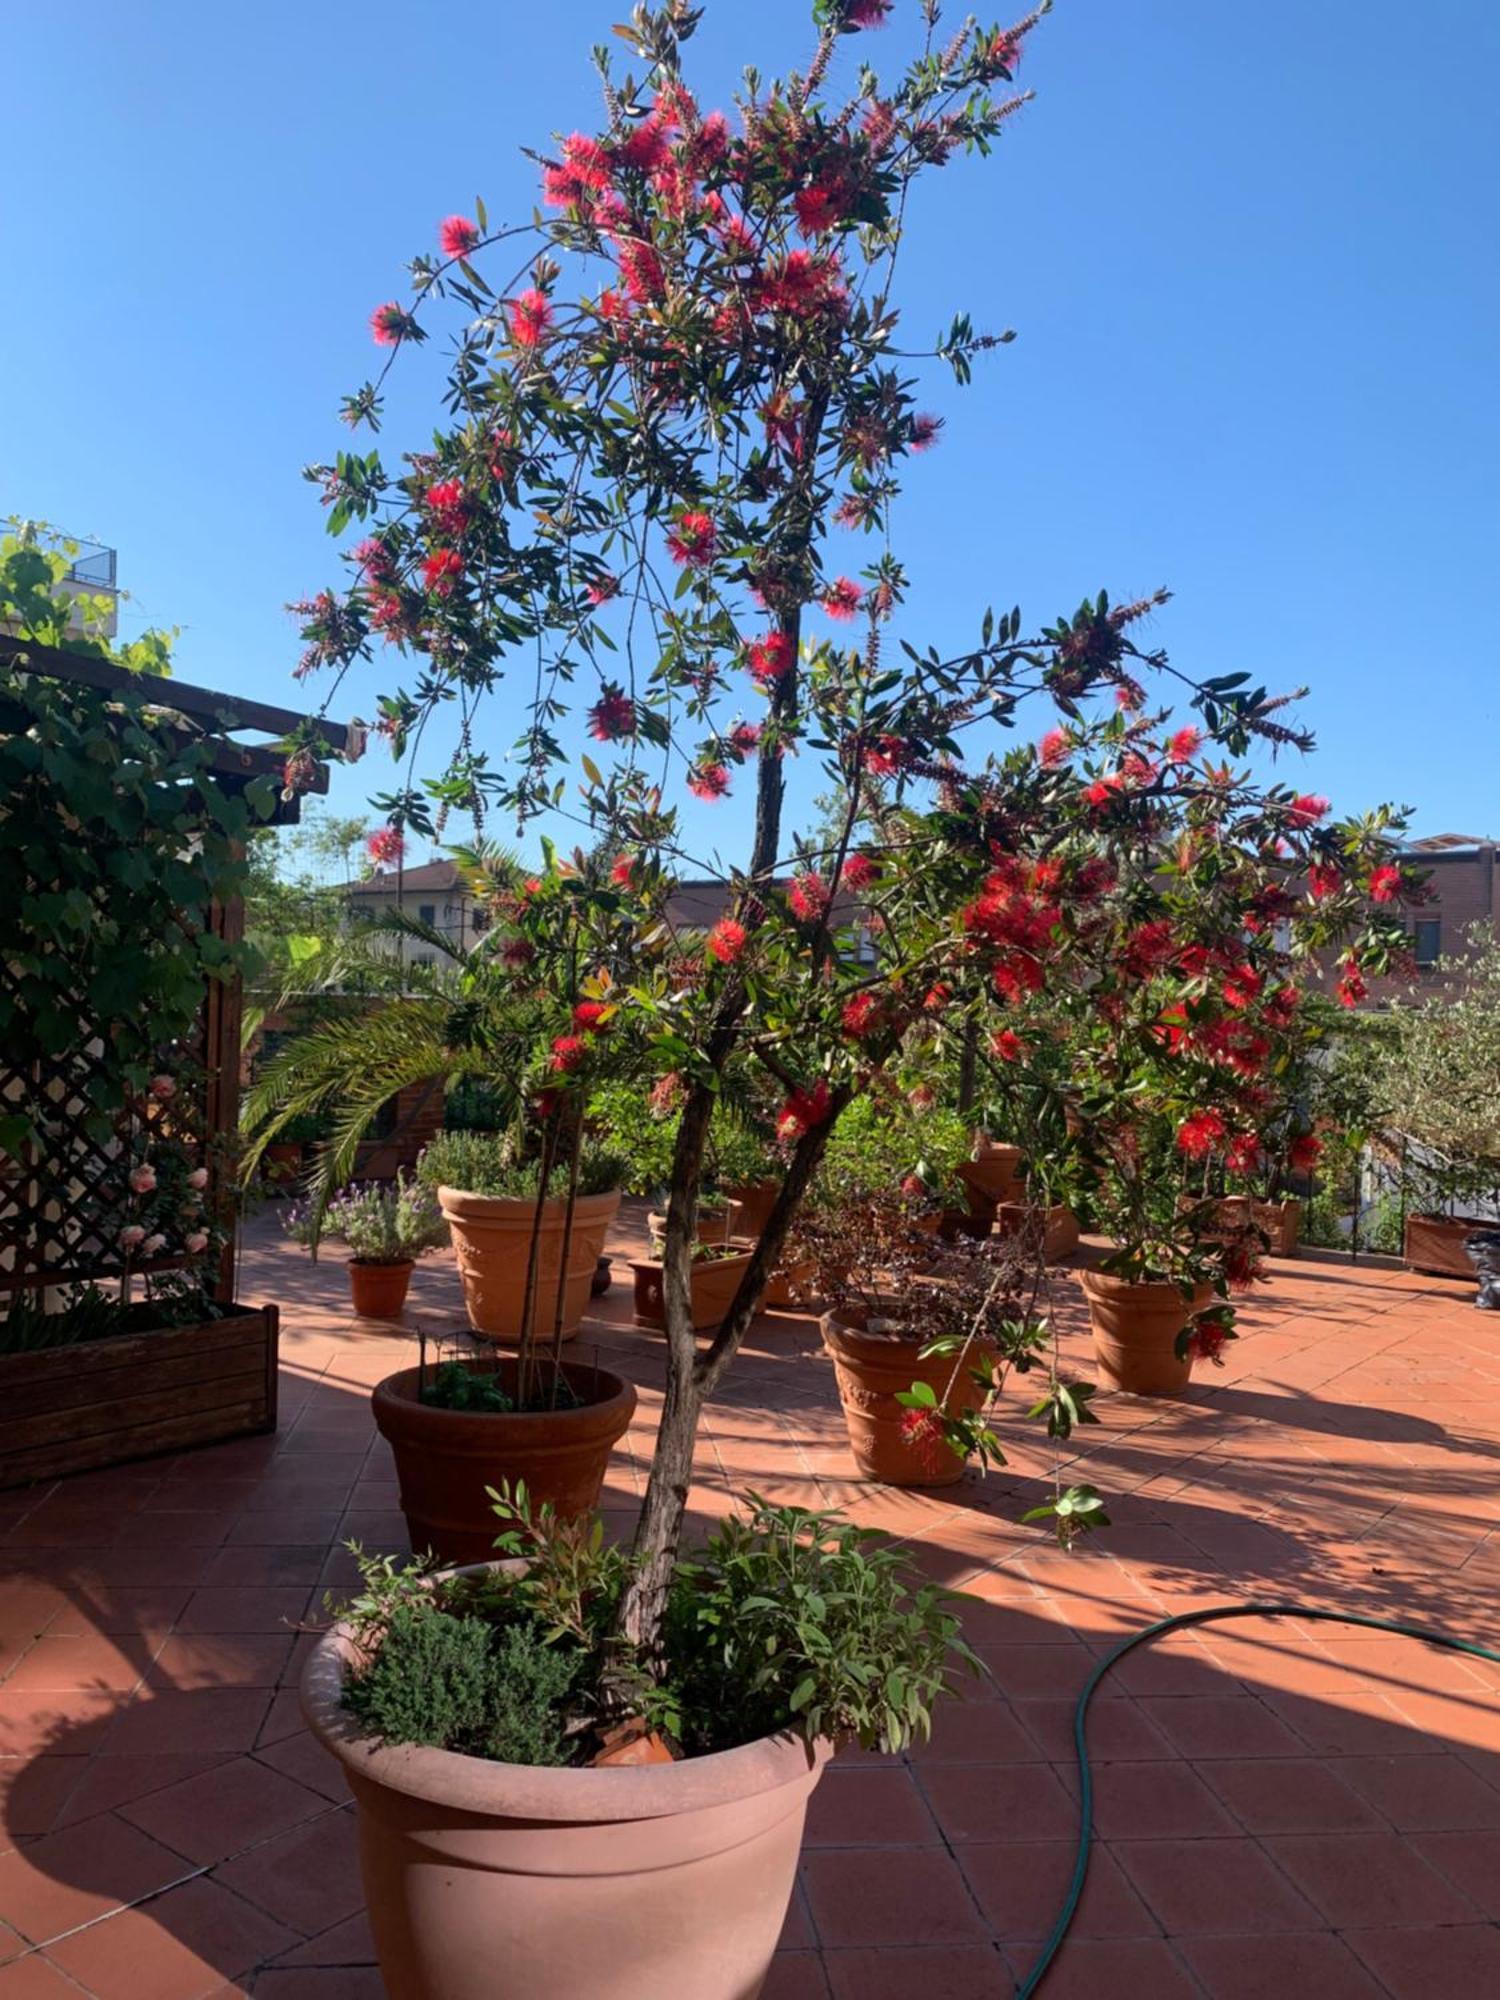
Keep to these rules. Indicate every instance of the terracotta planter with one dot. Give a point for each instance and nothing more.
(1059, 1229)
(715, 1282)
(1282, 1224)
(713, 1225)
(750, 1207)
(789, 1287)
(994, 1178)
(282, 1163)
(509, 1882)
(492, 1243)
(1435, 1243)
(446, 1458)
(1135, 1332)
(379, 1290)
(872, 1369)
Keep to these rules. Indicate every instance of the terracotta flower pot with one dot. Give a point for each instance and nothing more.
(446, 1458)
(1059, 1228)
(282, 1163)
(790, 1287)
(872, 1370)
(492, 1243)
(994, 1178)
(1282, 1223)
(508, 1882)
(1135, 1332)
(750, 1207)
(714, 1284)
(379, 1290)
(713, 1225)
(1435, 1243)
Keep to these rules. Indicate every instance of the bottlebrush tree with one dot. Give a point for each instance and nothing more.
(658, 508)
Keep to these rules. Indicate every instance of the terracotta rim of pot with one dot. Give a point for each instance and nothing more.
(430, 1425)
(1107, 1287)
(529, 1791)
(460, 1204)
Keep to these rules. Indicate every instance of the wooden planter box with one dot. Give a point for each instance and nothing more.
(1435, 1243)
(73, 1409)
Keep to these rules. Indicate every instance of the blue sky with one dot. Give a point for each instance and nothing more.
(1248, 254)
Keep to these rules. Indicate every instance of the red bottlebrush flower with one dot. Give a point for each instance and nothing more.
(842, 598)
(374, 560)
(1304, 1153)
(708, 781)
(1185, 746)
(1200, 1133)
(589, 160)
(923, 432)
(613, 307)
(612, 716)
(516, 952)
(1054, 749)
(1242, 987)
(622, 874)
(1094, 879)
(1384, 884)
(1149, 947)
(602, 589)
(1007, 1045)
(744, 737)
(588, 1016)
(1323, 881)
(666, 1095)
(441, 570)
(857, 873)
(878, 126)
(771, 658)
(1241, 1265)
(693, 542)
(644, 148)
(457, 235)
(819, 209)
(1206, 1342)
(1307, 809)
(862, 1015)
(866, 13)
(1351, 988)
(937, 997)
(803, 1111)
(808, 897)
(1129, 697)
(726, 940)
(386, 846)
(530, 317)
(391, 323)
(885, 756)
(1281, 1007)
(922, 1431)
(1017, 976)
(641, 272)
(1242, 1155)
(799, 282)
(448, 502)
(532, 886)
(1103, 791)
(568, 1051)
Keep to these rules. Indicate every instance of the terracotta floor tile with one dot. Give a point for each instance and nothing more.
(65, 1724)
(1020, 1886)
(307, 1878)
(972, 1731)
(1157, 1800)
(999, 1801)
(1278, 1968)
(1289, 1795)
(1117, 1730)
(350, 1943)
(888, 1896)
(937, 1972)
(1123, 1968)
(224, 1810)
(796, 1975)
(1368, 1880)
(191, 1719)
(180, 1946)
(221, 1659)
(865, 1807)
(1424, 1794)
(109, 1781)
(298, 1754)
(1421, 1964)
(317, 1982)
(252, 1608)
(1470, 1861)
(1220, 1726)
(32, 1978)
(72, 1876)
(33, 1792)
(1184, 1884)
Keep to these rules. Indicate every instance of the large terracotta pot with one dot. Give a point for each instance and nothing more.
(1135, 1332)
(1435, 1243)
(379, 1290)
(993, 1178)
(511, 1882)
(446, 1458)
(1059, 1228)
(750, 1207)
(715, 1281)
(1282, 1223)
(872, 1370)
(492, 1243)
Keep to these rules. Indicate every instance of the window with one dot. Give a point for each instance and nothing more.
(1427, 940)
(427, 912)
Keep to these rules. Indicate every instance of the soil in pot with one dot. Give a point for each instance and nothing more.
(445, 1458)
(714, 1284)
(1435, 1244)
(490, 1881)
(492, 1244)
(872, 1370)
(379, 1290)
(1135, 1332)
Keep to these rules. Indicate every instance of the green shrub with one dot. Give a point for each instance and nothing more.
(644, 1139)
(872, 1151)
(485, 1163)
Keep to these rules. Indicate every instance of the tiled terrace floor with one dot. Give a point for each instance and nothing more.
(1283, 1810)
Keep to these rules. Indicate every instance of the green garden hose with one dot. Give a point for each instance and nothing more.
(1065, 1916)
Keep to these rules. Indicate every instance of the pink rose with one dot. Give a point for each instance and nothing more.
(132, 1238)
(143, 1180)
(197, 1243)
(162, 1087)
(152, 1244)
(198, 1178)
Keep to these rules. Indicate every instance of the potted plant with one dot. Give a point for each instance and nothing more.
(655, 429)
(460, 1426)
(717, 1269)
(387, 1227)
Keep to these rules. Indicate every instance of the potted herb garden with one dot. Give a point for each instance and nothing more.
(387, 1227)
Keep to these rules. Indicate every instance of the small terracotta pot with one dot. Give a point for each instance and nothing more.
(750, 1207)
(379, 1290)
(492, 1243)
(872, 1370)
(1135, 1332)
(992, 1179)
(282, 1163)
(446, 1458)
(513, 1882)
(1282, 1223)
(715, 1281)
(713, 1225)
(1435, 1243)
(789, 1287)
(1230, 1215)
(1059, 1226)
